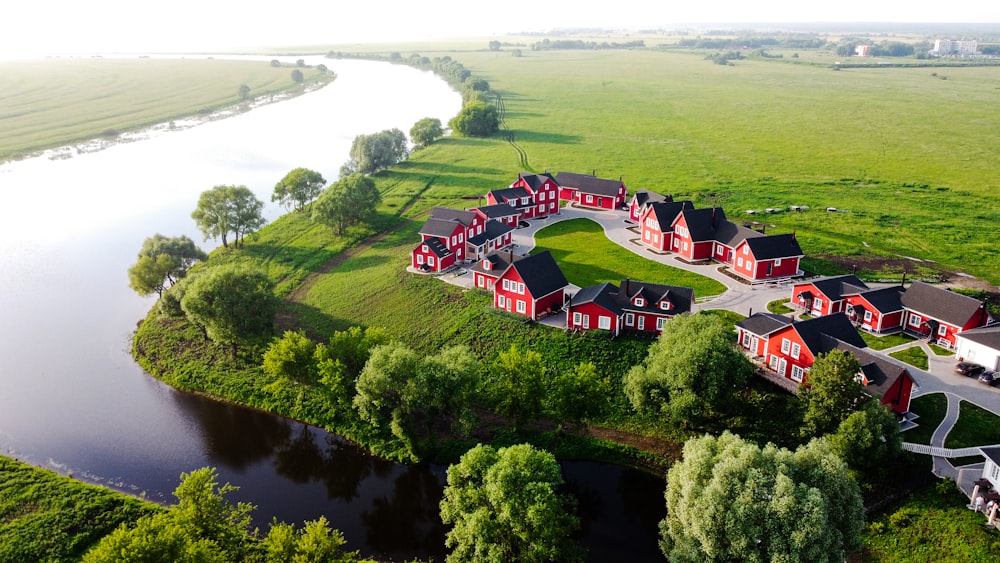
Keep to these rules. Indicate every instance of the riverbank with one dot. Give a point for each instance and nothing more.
(67, 107)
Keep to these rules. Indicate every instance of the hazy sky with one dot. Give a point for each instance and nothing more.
(35, 26)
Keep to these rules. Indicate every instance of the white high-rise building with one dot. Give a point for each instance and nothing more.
(952, 47)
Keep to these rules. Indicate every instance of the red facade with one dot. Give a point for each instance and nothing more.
(543, 198)
(787, 355)
(652, 233)
(748, 266)
(897, 397)
(865, 315)
(590, 316)
(424, 255)
(510, 294)
(684, 246)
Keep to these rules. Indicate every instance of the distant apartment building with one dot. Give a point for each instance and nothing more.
(944, 47)
(861, 50)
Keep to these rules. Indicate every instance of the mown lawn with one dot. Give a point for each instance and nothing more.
(976, 426)
(883, 342)
(914, 355)
(587, 257)
(931, 410)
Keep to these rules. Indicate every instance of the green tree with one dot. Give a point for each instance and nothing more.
(228, 209)
(494, 45)
(231, 304)
(244, 92)
(314, 543)
(868, 440)
(372, 153)
(504, 505)
(297, 76)
(349, 201)
(516, 384)
(426, 131)
(162, 262)
(729, 500)
(298, 187)
(291, 356)
(406, 394)
(834, 391)
(692, 370)
(275, 63)
(301, 63)
(578, 394)
(477, 119)
(339, 363)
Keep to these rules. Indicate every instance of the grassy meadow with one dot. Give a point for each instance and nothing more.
(47, 103)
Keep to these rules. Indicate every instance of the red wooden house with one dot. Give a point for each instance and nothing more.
(431, 255)
(531, 286)
(591, 191)
(766, 257)
(753, 332)
(532, 195)
(641, 200)
(501, 212)
(877, 310)
(695, 231)
(632, 306)
(486, 271)
(882, 378)
(656, 223)
(939, 314)
(495, 236)
(451, 228)
(828, 295)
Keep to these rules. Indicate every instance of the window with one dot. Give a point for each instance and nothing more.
(577, 319)
(786, 345)
(430, 260)
(541, 208)
(677, 243)
(524, 201)
(506, 285)
(739, 261)
(629, 319)
(521, 308)
(420, 259)
(777, 262)
(520, 289)
(660, 322)
(590, 199)
(746, 249)
(480, 280)
(641, 323)
(718, 250)
(604, 322)
(586, 321)
(746, 339)
(552, 206)
(685, 246)
(797, 373)
(656, 238)
(501, 301)
(665, 305)
(454, 240)
(423, 248)
(868, 316)
(461, 237)
(795, 350)
(479, 230)
(645, 235)
(915, 319)
(942, 330)
(640, 302)
(490, 284)
(818, 304)
(773, 362)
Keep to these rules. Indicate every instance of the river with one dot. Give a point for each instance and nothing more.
(73, 400)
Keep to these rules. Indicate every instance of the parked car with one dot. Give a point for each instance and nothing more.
(989, 377)
(969, 369)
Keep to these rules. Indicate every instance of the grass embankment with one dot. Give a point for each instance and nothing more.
(54, 102)
(48, 517)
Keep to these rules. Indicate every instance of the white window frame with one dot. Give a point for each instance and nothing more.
(586, 322)
(640, 302)
(660, 323)
(746, 339)
(506, 284)
(777, 262)
(786, 345)
(590, 199)
(915, 320)
(645, 235)
(604, 322)
(685, 246)
(796, 349)
(430, 260)
(772, 362)
(522, 307)
(797, 373)
(629, 319)
(868, 316)
(665, 305)
(640, 324)
(942, 330)
(501, 302)
(480, 280)
(746, 249)
(420, 259)
(577, 319)
(739, 262)
(520, 289)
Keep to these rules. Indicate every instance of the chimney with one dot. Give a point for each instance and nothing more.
(903, 282)
(763, 230)
(625, 289)
(594, 172)
(793, 234)
(751, 313)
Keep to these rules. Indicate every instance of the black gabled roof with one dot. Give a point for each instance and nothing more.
(437, 247)
(491, 231)
(993, 453)
(589, 184)
(497, 210)
(536, 181)
(763, 324)
(667, 211)
(680, 298)
(886, 299)
(769, 247)
(880, 372)
(836, 287)
(815, 333)
(646, 197)
(439, 227)
(953, 308)
(703, 223)
(540, 273)
(985, 335)
(464, 217)
(731, 234)
(603, 294)
(499, 262)
(509, 194)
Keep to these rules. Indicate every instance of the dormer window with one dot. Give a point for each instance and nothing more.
(487, 265)
(665, 305)
(639, 302)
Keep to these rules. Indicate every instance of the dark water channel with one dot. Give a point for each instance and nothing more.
(73, 400)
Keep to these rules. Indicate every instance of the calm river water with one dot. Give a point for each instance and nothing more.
(72, 399)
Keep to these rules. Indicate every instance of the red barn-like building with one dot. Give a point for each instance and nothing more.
(531, 286)
(632, 306)
(591, 191)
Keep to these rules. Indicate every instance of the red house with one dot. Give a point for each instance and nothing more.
(642, 200)
(656, 223)
(532, 195)
(531, 286)
(828, 295)
(695, 231)
(495, 236)
(431, 255)
(591, 191)
(889, 381)
(486, 271)
(753, 332)
(939, 314)
(633, 306)
(877, 310)
(451, 228)
(502, 212)
(767, 257)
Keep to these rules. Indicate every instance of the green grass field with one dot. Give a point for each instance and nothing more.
(587, 257)
(52, 102)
